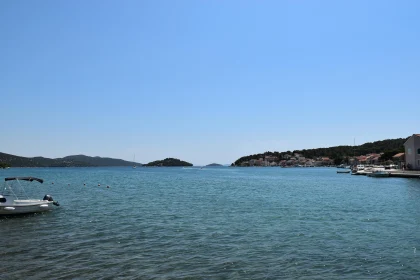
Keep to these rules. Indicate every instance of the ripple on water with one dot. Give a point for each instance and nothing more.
(225, 223)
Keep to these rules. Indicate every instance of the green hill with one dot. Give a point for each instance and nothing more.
(169, 162)
(100, 161)
(69, 161)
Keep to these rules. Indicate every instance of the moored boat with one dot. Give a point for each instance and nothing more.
(358, 170)
(13, 199)
(379, 172)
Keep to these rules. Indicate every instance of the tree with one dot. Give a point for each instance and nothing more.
(346, 160)
(338, 160)
(4, 165)
(387, 155)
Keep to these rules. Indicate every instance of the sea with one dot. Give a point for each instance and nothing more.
(214, 223)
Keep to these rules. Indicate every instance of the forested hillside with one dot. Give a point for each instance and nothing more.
(390, 146)
(69, 161)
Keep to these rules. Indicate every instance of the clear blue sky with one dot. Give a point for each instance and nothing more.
(205, 81)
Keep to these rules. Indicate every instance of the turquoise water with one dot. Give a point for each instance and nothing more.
(214, 223)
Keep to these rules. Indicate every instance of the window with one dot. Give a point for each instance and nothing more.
(2, 199)
(409, 151)
(418, 151)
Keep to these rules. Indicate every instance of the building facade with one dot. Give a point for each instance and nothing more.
(412, 152)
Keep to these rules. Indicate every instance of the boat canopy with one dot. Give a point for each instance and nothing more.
(30, 179)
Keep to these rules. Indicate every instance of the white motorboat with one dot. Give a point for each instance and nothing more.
(358, 170)
(379, 172)
(13, 199)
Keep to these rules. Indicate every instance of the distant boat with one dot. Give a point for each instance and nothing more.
(358, 169)
(343, 171)
(379, 172)
(134, 161)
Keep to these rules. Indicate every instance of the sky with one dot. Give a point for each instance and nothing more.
(205, 81)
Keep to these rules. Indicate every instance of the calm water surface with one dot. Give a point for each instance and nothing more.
(214, 223)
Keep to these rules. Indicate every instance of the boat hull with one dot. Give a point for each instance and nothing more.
(20, 207)
(380, 175)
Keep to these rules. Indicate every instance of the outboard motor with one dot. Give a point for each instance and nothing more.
(48, 197)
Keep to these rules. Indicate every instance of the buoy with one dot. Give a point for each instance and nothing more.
(52, 183)
(99, 185)
(84, 184)
(107, 187)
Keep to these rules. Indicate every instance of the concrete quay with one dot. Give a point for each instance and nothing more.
(394, 173)
(404, 174)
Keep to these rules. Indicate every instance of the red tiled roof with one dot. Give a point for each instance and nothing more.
(399, 155)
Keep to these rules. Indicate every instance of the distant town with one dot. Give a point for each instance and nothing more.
(402, 152)
(298, 160)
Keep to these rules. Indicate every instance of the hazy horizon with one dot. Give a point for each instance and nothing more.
(205, 81)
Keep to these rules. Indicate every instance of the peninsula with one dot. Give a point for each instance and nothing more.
(383, 151)
(68, 161)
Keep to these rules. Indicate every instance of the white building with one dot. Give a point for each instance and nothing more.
(412, 152)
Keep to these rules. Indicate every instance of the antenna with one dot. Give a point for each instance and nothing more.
(354, 144)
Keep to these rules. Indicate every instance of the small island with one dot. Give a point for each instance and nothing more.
(169, 162)
(213, 165)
